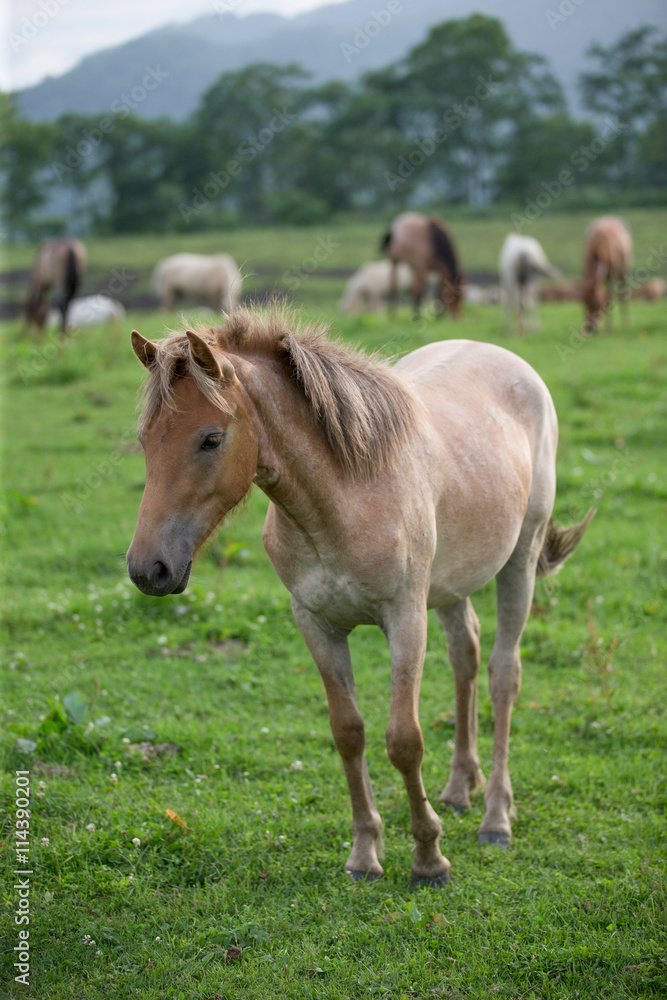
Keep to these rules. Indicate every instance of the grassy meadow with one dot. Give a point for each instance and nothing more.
(189, 814)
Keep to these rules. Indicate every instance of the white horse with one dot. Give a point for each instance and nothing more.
(214, 279)
(90, 310)
(369, 287)
(522, 260)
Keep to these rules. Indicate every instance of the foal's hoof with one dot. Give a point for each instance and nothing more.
(498, 839)
(364, 876)
(429, 881)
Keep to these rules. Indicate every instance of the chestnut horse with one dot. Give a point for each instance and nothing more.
(56, 275)
(607, 261)
(392, 490)
(425, 245)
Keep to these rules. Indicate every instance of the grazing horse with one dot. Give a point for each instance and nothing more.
(215, 280)
(425, 245)
(522, 260)
(392, 490)
(370, 286)
(56, 276)
(607, 261)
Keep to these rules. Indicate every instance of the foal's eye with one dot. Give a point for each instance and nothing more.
(211, 441)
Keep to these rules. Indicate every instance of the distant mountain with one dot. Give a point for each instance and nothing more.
(165, 72)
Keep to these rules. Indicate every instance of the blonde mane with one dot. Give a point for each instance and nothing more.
(364, 408)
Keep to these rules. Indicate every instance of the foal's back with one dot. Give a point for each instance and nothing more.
(492, 435)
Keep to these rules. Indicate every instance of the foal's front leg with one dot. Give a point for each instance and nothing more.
(406, 632)
(331, 653)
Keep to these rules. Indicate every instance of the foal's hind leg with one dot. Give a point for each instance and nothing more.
(515, 584)
(462, 633)
(332, 655)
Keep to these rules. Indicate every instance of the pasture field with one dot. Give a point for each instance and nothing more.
(189, 813)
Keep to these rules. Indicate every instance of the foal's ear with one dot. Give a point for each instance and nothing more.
(144, 349)
(218, 368)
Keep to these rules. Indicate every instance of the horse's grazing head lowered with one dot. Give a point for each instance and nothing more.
(201, 457)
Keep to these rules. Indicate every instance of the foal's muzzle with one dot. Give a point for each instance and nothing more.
(159, 579)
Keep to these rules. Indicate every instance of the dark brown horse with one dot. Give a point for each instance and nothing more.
(607, 261)
(425, 245)
(56, 277)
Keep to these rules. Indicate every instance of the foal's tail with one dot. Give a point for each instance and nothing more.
(385, 241)
(561, 543)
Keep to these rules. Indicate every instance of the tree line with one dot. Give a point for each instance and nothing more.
(464, 118)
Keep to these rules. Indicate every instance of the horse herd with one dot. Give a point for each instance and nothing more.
(420, 256)
(391, 489)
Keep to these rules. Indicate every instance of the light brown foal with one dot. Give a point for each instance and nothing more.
(392, 490)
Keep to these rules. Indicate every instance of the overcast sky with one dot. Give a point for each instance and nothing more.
(48, 37)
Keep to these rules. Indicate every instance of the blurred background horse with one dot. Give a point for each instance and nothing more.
(56, 277)
(425, 245)
(522, 260)
(215, 280)
(607, 262)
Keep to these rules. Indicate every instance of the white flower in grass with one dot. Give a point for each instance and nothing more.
(296, 766)
(42, 786)
(117, 764)
(158, 940)
(161, 640)
(113, 777)
(45, 841)
(91, 828)
(264, 729)
(136, 842)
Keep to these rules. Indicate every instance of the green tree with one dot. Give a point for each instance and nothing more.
(538, 151)
(23, 158)
(243, 131)
(629, 86)
(468, 86)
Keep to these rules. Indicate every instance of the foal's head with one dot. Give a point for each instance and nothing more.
(201, 457)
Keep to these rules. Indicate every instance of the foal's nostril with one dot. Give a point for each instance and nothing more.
(160, 576)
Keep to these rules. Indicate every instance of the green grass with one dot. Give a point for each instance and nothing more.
(219, 683)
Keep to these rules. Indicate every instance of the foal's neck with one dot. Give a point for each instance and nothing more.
(296, 468)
